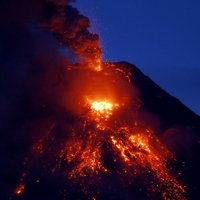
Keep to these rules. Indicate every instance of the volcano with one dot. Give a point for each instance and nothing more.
(126, 139)
(77, 127)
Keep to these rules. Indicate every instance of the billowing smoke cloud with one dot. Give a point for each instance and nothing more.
(72, 29)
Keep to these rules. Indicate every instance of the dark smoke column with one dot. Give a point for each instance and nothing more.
(72, 29)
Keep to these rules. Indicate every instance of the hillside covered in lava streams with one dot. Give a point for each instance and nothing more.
(104, 133)
(106, 139)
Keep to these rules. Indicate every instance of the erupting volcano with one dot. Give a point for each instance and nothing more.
(104, 135)
(107, 132)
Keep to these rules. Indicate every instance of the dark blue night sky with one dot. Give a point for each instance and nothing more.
(161, 37)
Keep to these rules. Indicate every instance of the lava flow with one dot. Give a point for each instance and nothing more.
(104, 107)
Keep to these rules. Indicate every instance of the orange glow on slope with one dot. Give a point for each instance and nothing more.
(89, 160)
(108, 117)
(142, 150)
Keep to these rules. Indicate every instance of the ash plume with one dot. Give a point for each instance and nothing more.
(72, 29)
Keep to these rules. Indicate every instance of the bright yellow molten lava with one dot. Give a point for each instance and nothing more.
(102, 106)
(102, 109)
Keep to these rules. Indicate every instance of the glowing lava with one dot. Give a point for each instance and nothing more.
(108, 122)
(143, 151)
(103, 108)
(20, 189)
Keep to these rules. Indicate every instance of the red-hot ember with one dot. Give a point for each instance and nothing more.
(19, 190)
